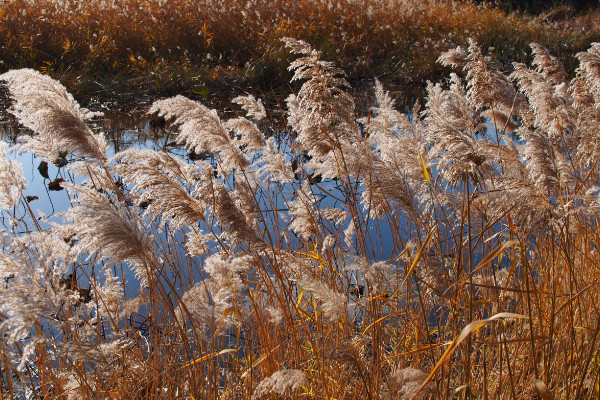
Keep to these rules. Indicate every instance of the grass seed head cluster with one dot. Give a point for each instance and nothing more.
(381, 256)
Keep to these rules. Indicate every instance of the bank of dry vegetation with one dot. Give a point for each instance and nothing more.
(116, 49)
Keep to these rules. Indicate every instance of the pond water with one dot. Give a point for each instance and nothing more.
(138, 130)
(43, 192)
(48, 200)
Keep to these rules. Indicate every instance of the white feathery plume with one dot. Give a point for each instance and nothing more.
(100, 353)
(226, 284)
(540, 157)
(254, 107)
(229, 216)
(373, 271)
(450, 128)
(336, 215)
(332, 220)
(531, 172)
(110, 299)
(455, 58)
(108, 230)
(227, 270)
(403, 384)
(294, 265)
(197, 244)
(508, 157)
(527, 204)
(589, 71)
(12, 183)
(302, 210)
(275, 166)
(283, 382)
(275, 314)
(32, 268)
(578, 89)
(250, 136)
(551, 111)
(200, 129)
(396, 174)
(385, 121)
(332, 303)
(374, 197)
(244, 196)
(93, 175)
(299, 47)
(168, 184)
(486, 87)
(74, 388)
(322, 113)
(497, 284)
(501, 119)
(328, 243)
(44, 106)
(548, 65)
(390, 182)
(585, 92)
(197, 307)
(350, 233)
(212, 300)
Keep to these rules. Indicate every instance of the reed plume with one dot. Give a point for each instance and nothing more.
(13, 183)
(322, 113)
(108, 230)
(403, 383)
(302, 209)
(451, 129)
(200, 129)
(584, 91)
(333, 304)
(168, 185)
(43, 105)
(283, 382)
(254, 107)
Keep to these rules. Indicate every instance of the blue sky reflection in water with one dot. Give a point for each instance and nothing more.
(141, 133)
(125, 132)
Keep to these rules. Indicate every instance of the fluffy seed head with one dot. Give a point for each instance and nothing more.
(44, 106)
(283, 382)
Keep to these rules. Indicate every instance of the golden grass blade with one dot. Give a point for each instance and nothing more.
(378, 321)
(419, 254)
(419, 350)
(209, 356)
(496, 253)
(472, 327)
(260, 360)
(300, 298)
(424, 169)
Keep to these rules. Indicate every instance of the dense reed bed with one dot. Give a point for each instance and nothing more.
(449, 253)
(102, 48)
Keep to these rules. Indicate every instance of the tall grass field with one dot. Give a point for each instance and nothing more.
(444, 251)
